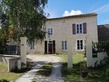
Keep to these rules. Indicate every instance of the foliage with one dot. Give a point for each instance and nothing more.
(101, 47)
(27, 16)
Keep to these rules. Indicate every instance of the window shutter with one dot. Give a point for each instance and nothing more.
(53, 46)
(84, 28)
(73, 29)
(45, 47)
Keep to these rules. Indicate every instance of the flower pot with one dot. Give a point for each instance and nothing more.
(84, 73)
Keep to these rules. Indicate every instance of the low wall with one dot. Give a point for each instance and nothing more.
(93, 59)
(98, 59)
(10, 61)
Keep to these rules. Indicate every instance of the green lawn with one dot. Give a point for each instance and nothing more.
(74, 74)
(6, 76)
(75, 58)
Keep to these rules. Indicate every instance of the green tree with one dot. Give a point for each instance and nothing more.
(27, 16)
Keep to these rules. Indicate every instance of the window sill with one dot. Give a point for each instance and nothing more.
(64, 50)
(79, 50)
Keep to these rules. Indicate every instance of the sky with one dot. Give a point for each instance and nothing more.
(60, 8)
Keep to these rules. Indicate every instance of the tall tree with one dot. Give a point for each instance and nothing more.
(27, 16)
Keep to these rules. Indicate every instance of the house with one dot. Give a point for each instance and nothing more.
(66, 34)
(103, 32)
(69, 33)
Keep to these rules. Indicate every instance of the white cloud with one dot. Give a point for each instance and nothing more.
(72, 12)
(102, 9)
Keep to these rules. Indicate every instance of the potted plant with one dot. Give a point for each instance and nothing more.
(84, 71)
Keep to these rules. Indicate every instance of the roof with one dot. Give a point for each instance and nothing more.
(74, 16)
(103, 32)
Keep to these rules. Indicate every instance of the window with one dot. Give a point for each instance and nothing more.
(64, 45)
(80, 45)
(94, 55)
(79, 28)
(50, 31)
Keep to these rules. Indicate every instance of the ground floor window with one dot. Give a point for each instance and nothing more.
(80, 45)
(64, 45)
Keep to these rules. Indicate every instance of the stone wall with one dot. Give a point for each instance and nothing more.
(10, 61)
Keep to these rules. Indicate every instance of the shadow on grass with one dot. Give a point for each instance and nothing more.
(3, 80)
(74, 74)
(45, 70)
(23, 70)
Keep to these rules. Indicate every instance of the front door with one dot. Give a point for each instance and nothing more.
(50, 47)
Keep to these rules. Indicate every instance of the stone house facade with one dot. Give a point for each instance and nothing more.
(69, 33)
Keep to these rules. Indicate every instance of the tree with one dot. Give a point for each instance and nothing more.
(27, 16)
(3, 33)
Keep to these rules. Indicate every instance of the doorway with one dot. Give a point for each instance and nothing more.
(50, 47)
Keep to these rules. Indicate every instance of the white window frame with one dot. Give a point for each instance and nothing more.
(64, 45)
(50, 31)
(78, 31)
(83, 41)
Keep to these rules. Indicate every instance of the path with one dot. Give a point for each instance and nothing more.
(40, 61)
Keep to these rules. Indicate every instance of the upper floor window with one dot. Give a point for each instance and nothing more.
(64, 45)
(50, 31)
(79, 28)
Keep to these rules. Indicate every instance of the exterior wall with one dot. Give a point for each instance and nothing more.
(92, 61)
(38, 48)
(100, 57)
(62, 31)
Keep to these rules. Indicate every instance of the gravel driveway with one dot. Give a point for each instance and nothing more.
(40, 60)
(45, 58)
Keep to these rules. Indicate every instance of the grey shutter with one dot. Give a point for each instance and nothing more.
(53, 46)
(84, 28)
(74, 28)
(45, 47)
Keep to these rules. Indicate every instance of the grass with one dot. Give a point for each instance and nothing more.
(75, 58)
(45, 70)
(74, 74)
(6, 76)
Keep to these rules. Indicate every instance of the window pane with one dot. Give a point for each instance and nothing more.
(80, 29)
(65, 45)
(77, 28)
(50, 31)
(81, 47)
(78, 48)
